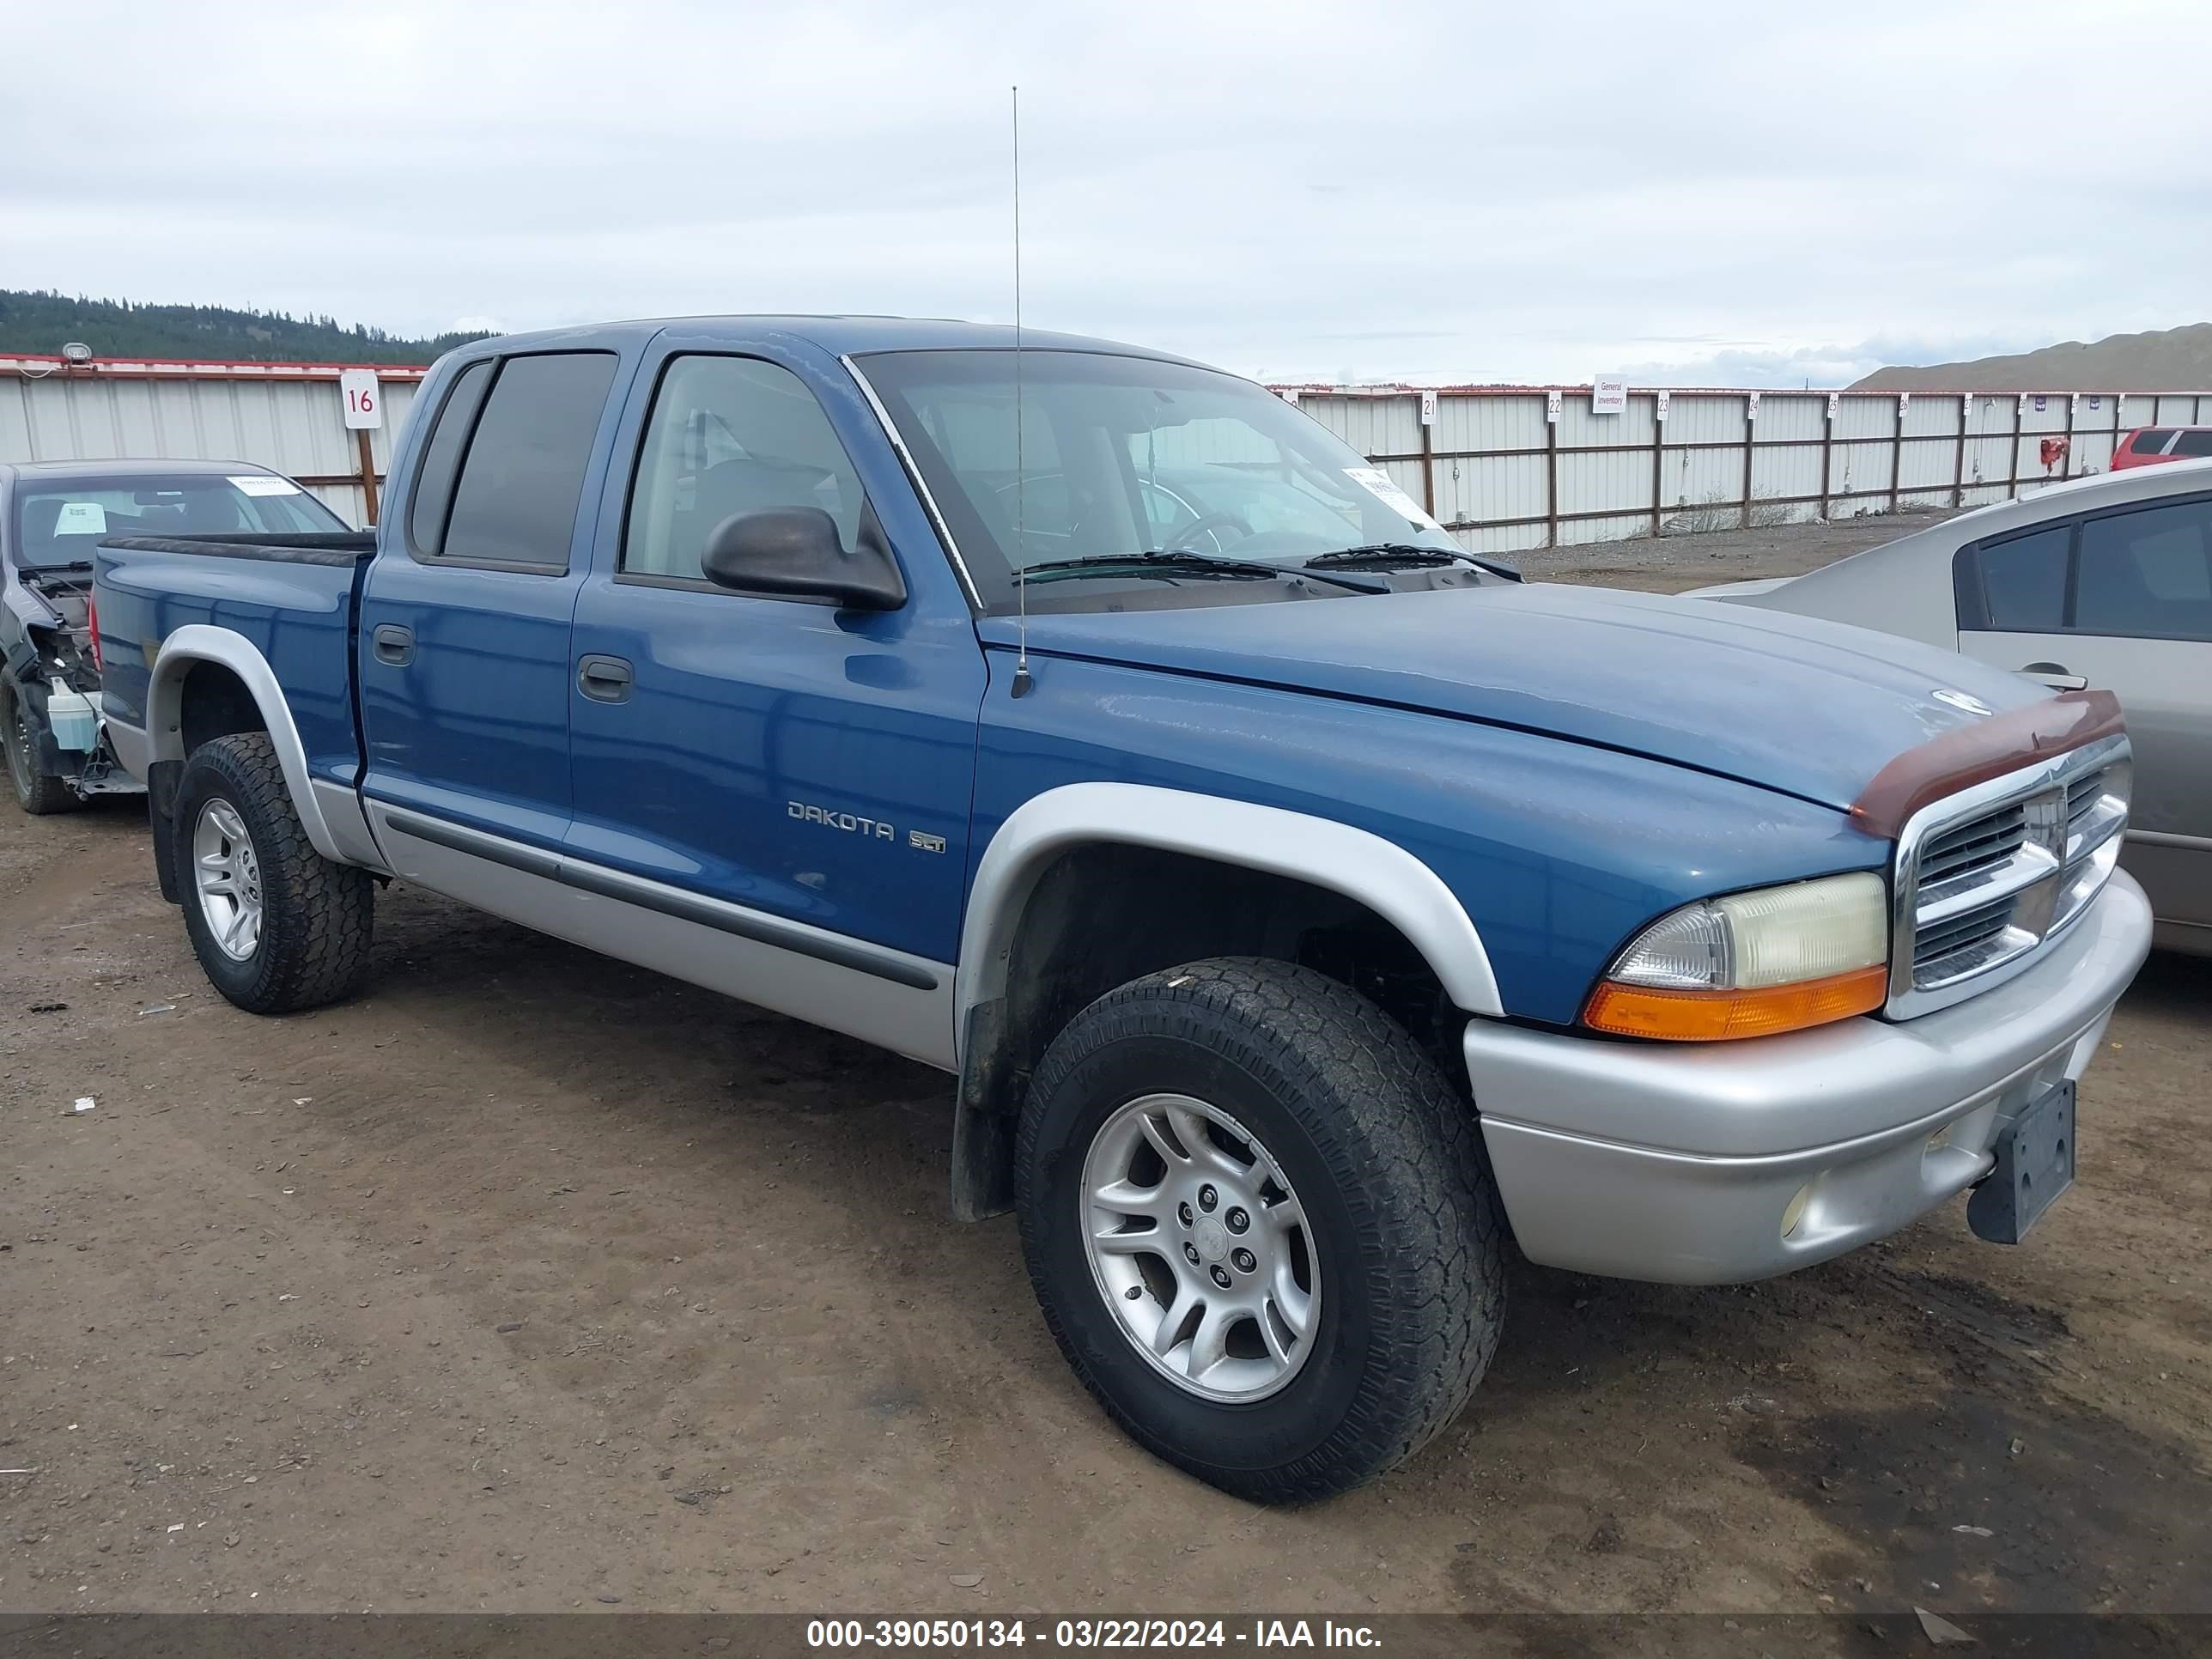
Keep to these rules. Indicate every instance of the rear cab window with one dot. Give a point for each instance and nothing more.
(503, 469)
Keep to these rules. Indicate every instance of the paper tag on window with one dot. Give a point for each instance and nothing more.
(1384, 489)
(260, 484)
(81, 519)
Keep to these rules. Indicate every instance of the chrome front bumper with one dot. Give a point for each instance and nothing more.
(1678, 1163)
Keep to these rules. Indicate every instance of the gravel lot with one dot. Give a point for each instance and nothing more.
(527, 1281)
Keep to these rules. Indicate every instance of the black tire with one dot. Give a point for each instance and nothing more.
(316, 916)
(1386, 1162)
(37, 792)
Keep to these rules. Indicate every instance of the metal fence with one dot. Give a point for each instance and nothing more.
(1509, 468)
(288, 417)
(1505, 468)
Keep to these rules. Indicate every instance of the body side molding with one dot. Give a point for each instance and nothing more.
(881, 996)
(880, 962)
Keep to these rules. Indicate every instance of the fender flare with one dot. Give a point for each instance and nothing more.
(1322, 851)
(198, 642)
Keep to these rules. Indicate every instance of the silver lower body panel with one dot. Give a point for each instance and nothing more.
(913, 1020)
(1680, 1162)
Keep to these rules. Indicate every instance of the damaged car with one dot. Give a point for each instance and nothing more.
(52, 514)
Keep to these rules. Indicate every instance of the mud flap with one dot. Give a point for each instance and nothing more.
(985, 1119)
(161, 778)
(2035, 1164)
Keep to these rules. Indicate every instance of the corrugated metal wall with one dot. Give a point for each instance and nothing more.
(1493, 465)
(1503, 474)
(294, 424)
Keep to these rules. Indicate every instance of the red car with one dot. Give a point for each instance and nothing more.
(2148, 445)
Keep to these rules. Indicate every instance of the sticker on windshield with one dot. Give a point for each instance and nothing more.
(81, 519)
(260, 484)
(1384, 489)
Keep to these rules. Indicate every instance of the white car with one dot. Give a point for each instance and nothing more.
(2104, 581)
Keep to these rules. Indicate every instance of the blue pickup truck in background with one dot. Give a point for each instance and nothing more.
(1310, 910)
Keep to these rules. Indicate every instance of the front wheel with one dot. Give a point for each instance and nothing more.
(1260, 1226)
(278, 928)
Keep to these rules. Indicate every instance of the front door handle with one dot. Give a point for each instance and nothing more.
(2054, 675)
(394, 645)
(604, 679)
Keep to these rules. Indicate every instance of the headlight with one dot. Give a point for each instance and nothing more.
(1750, 964)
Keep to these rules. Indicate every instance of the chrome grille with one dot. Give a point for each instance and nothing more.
(1973, 847)
(1988, 878)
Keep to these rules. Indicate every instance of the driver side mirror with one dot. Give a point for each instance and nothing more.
(794, 552)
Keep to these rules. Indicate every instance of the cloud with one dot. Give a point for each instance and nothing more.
(1742, 364)
(1425, 190)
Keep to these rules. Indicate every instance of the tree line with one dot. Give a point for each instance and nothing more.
(41, 321)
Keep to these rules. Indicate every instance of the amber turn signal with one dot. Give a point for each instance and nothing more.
(1719, 1016)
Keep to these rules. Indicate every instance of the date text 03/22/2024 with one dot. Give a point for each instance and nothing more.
(1086, 1634)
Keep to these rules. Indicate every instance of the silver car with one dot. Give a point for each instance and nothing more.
(2105, 581)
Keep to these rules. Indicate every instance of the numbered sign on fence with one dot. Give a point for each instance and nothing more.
(362, 398)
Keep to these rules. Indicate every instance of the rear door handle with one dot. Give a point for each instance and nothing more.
(394, 645)
(604, 679)
(2054, 675)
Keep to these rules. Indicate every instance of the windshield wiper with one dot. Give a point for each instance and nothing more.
(62, 570)
(1388, 555)
(1170, 563)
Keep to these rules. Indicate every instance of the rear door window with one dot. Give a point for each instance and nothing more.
(514, 504)
(2148, 573)
(2197, 442)
(2024, 581)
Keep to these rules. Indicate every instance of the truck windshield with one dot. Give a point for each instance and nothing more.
(1124, 455)
(59, 521)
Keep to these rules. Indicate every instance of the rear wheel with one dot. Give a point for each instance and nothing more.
(1260, 1226)
(37, 792)
(278, 928)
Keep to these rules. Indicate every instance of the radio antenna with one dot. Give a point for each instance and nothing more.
(1022, 680)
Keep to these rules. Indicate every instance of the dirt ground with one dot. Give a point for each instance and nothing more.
(529, 1281)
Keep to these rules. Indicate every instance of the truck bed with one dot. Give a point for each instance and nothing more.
(153, 585)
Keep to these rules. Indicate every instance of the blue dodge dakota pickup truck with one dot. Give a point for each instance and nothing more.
(1310, 910)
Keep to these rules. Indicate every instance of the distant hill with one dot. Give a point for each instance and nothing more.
(2168, 360)
(43, 322)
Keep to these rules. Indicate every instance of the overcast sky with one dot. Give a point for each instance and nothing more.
(1691, 193)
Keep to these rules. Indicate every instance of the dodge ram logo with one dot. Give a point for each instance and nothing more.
(1962, 701)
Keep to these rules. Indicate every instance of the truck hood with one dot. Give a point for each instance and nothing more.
(1787, 702)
